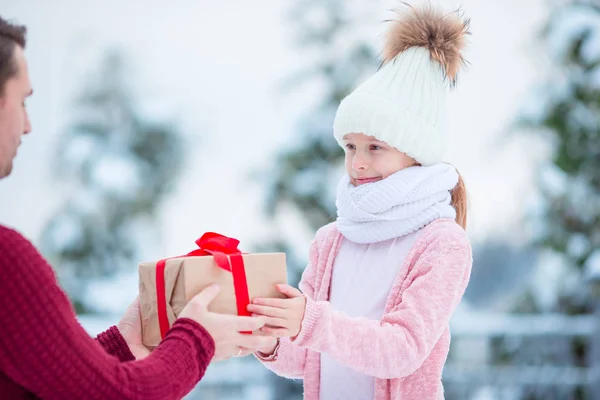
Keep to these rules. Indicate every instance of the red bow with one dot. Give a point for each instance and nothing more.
(223, 249)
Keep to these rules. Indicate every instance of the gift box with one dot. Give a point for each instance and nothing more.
(167, 285)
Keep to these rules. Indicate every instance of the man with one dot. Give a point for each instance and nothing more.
(44, 352)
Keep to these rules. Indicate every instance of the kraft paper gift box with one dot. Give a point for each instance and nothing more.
(167, 285)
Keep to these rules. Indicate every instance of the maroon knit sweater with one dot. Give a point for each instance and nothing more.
(45, 353)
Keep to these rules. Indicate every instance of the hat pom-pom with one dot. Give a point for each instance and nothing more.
(444, 35)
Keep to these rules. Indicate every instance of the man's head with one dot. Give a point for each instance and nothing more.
(14, 89)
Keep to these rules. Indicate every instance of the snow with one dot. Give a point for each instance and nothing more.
(583, 199)
(578, 245)
(87, 200)
(317, 19)
(115, 294)
(79, 150)
(95, 324)
(571, 23)
(590, 50)
(535, 109)
(553, 180)
(518, 375)
(548, 278)
(117, 174)
(65, 232)
(592, 265)
(477, 324)
(305, 183)
(593, 78)
(583, 117)
(485, 393)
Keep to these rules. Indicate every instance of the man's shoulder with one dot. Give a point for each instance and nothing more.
(10, 234)
(13, 242)
(18, 255)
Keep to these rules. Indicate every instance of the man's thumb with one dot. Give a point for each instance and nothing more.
(206, 296)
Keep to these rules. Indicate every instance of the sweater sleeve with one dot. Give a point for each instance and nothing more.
(44, 349)
(399, 343)
(114, 344)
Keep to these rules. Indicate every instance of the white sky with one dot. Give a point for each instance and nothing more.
(216, 66)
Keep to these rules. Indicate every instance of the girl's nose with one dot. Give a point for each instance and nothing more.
(359, 162)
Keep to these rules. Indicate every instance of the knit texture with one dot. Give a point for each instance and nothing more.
(400, 204)
(406, 350)
(45, 353)
(115, 344)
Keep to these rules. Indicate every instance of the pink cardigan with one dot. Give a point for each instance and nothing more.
(406, 350)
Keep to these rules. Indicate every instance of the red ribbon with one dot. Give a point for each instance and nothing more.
(223, 249)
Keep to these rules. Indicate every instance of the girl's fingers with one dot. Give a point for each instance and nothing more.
(267, 311)
(271, 302)
(289, 291)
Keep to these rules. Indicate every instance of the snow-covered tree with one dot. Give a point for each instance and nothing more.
(500, 272)
(119, 167)
(565, 112)
(568, 115)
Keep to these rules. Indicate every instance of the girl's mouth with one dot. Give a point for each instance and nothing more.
(362, 181)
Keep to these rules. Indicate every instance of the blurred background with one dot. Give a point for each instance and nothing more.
(154, 122)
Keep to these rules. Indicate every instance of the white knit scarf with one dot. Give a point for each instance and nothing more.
(395, 206)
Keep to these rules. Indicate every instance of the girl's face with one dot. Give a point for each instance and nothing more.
(370, 160)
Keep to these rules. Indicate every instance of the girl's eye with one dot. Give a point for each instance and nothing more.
(375, 147)
(350, 146)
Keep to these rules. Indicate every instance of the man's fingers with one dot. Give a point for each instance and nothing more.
(274, 332)
(205, 297)
(244, 324)
(275, 322)
(246, 352)
(253, 341)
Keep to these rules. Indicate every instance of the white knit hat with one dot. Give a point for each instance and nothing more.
(403, 104)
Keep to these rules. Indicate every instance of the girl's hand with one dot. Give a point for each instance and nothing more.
(284, 316)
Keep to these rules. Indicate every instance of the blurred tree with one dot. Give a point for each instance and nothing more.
(120, 167)
(568, 116)
(566, 113)
(499, 275)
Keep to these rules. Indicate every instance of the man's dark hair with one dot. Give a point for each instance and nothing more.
(11, 35)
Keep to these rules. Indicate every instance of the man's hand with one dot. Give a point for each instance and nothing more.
(225, 329)
(268, 349)
(130, 328)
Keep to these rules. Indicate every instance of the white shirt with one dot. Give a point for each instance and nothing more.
(362, 277)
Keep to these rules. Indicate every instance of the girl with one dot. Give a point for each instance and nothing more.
(372, 318)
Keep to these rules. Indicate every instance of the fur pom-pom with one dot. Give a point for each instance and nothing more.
(444, 35)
